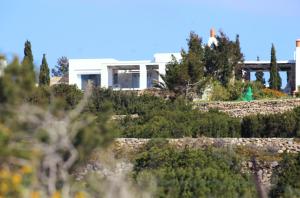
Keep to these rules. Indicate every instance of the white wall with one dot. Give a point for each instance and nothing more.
(77, 67)
(297, 58)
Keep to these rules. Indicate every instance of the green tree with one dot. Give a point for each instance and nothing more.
(275, 80)
(210, 58)
(189, 73)
(16, 83)
(44, 78)
(193, 60)
(62, 67)
(28, 66)
(175, 78)
(28, 53)
(239, 58)
(223, 62)
(260, 77)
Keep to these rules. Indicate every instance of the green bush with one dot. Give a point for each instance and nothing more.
(272, 125)
(285, 180)
(68, 95)
(219, 92)
(177, 123)
(124, 102)
(193, 173)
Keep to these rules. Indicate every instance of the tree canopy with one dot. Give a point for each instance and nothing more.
(62, 67)
(199, 63)
(28, 66)
(44, 77)
(275, 79)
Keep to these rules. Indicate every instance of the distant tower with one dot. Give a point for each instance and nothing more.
(212, 39)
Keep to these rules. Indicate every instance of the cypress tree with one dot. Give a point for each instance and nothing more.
(28, 66)
(260, 77)
(275, 80)
(44, 78)
(238, 58)
(28, 53)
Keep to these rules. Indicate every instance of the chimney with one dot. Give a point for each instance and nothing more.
(298, 43)
(213, 33)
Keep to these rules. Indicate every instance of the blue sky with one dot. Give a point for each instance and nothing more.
(136, 29)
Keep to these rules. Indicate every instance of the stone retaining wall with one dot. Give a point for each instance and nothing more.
(275, 145)
(241, 109)
(263, 168)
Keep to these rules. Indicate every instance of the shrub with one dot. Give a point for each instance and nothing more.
(285, 180)
(271, 93)
(219, 92)
(173, 123)
(236, 89)
(193, 173)
(68, 95)
(272, 125)
(124, 102)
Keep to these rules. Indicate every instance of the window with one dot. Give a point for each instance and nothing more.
(94, 79)
(115, 79)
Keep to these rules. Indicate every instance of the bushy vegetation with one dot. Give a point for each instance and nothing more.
(44, 133)
(177, 123)
(272, 125)
(193, 173)
(285, 179)
(234, 91)
(219, 62)
(124, 102)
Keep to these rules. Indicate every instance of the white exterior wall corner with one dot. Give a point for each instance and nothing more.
(161, 71)
(297, 59)
(143, 77)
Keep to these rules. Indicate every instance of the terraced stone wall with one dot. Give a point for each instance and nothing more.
(241, 109)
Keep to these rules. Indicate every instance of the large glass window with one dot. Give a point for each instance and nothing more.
(115, 79)
(94, 79)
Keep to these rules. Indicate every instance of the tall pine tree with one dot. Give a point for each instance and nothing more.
(28, 66)
(222, 62)
(238, 58)
(275, 79)
(193, 60)
(44, 77)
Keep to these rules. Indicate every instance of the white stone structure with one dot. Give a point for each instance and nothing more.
(212, 39)
(139, 75)
(120, 75)
(297, 67)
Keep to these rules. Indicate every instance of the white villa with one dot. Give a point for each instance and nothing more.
(115, 74)
(139, 75)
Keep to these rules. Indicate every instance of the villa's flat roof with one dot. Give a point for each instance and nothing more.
(268, 62)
